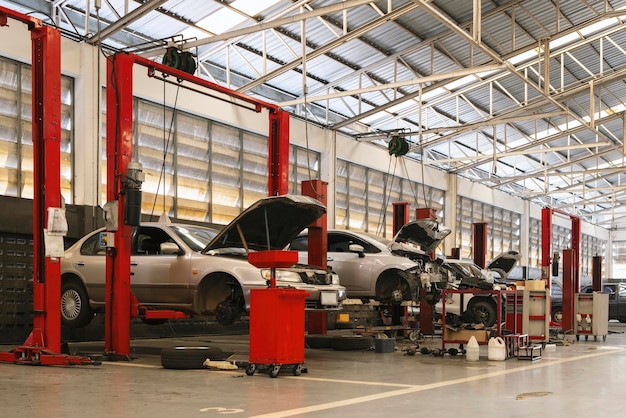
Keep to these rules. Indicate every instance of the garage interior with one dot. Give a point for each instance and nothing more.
(498, 125)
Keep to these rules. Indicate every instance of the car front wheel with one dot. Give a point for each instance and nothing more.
(75, 309)
(483, 310)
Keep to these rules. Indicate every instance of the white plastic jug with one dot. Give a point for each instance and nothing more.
(497, 349)
(472, 351)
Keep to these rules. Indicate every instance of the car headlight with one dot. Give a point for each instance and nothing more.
(282, 275)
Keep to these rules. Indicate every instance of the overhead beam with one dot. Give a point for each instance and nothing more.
(421, 80)
(515, 153)
(136, 14)
(331, 45)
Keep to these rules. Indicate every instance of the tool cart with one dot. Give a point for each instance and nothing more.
(276, 319)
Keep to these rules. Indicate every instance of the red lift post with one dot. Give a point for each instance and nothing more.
(426, 315)
(571, 263)
(317, 320)
(43, 345)
(480, 244)
(120, 304)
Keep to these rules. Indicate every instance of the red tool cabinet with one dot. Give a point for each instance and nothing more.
(276, 330)
(276, 318)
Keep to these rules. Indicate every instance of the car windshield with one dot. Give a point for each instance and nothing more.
(196, 237)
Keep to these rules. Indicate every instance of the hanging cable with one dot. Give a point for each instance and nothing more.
(167, 139)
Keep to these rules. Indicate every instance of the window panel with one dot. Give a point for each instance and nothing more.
(16, 147)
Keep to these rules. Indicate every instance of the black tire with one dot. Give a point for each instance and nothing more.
(75, 309)
(557, 314)
(318, 341)
(352, 343)
(186, 358)
(483, 310)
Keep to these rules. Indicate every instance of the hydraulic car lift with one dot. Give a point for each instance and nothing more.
(120, 304)
(43, 345)
(571, 264)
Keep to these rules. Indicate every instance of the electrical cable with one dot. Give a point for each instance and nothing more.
(166, 145)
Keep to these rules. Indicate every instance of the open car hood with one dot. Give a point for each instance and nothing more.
(425, 233)
(504, 263)
(269, 224)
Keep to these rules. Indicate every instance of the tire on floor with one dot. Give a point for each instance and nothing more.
(357, 342)
(185, 358)
(318, 341)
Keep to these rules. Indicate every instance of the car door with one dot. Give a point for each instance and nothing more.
(354, 269)
(90, 263)
(157, 278)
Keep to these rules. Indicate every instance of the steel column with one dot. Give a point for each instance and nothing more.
(546, 244)
(480, 244)
(568, 290)
(596, 273)
(278, 154)
(400, 211)
(119, 149)
(576, 239)
(426, 309)
(318, 230)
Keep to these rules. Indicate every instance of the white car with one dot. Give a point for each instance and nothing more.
(370, 266)
(196, 269)
(465, 274)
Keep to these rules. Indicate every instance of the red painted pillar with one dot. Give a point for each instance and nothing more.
(426, 309)
(278, 154)
(568, 290)
(318, 230)
(596, 273)
(46, 136)
(576, 239)
(119, 151)
(546, 244)
(480, 244)
(400, 213)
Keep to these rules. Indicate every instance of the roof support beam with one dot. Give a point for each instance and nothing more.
(136, 14)
(421, 80)
(330, 46)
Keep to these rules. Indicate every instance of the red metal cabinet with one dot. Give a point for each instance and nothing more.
(276, 329)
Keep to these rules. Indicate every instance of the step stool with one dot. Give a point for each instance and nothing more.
(529, 352)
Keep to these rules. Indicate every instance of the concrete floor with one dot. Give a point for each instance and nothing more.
(584, 378)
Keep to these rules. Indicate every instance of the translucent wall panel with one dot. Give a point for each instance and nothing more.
(155, 150)
(364, 198)
(16, 146)
(193, 167)
(305, 165)
(503, 227)
(254, 168)
(226, 171)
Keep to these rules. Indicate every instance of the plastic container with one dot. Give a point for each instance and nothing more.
(472, 351)
(497, 349)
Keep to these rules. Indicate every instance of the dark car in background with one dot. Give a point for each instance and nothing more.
(615, 290)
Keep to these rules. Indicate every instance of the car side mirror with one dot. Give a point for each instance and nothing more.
(356, 248)
(170, 248)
